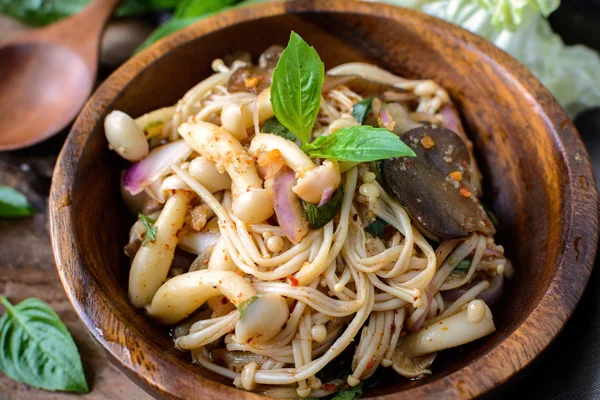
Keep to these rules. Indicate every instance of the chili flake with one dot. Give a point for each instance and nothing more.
(293, 280)
(427, 142)
(464, 192)
(456, 175)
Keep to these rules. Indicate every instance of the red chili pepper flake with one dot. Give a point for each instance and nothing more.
(427, 142)
(393, 328)
(371, 363)
(456, 175)
(464, 192)
(293, 280)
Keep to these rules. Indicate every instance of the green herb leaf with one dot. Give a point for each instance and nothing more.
(359, 144)
(320, 216)
(37, 349)
(362, 109)
(296, 88)
(150, 228)
(243, 306)
(376, 228)
(13, 203)
(349, 394)
(462, 267)
(192, 8)
(275, 127)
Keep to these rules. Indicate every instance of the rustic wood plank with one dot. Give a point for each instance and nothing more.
(27, 269)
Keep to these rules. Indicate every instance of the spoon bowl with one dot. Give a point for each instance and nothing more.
(40, 91)
(47, 75)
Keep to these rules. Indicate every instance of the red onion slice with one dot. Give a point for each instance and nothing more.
(287, 206)
(326, 196)
(157, 163)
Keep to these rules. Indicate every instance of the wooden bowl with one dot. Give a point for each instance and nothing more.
(537, 175)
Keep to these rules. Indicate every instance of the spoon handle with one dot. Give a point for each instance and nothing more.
(82, 32)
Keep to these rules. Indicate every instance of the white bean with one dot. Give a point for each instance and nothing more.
(262, 319)
(125, 136)
(152, 261)
(207, 174)
(254, 206)
(236, 118)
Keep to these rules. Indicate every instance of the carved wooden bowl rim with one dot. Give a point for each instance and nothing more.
(485, 373)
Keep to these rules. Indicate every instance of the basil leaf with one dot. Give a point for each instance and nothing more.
(296, 87)
(350, 394)
(13, 203)
(376, 228)
(37, 349)
(243, 306)
(359, 144)
(462, 267)
(361, 110)
(192, 8)
(320, 216)
(275, 127)
(150, 228)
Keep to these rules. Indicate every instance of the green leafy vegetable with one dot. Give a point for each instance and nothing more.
(243, 306)
(37, 349)
(376, 228)
(462, 267)
(275, 127)
(150, 228)
(359, 144)
(349, 394)
(13, 203)
(193, 8)
(519, 27)
(361, 110)
(296, 88)
(320, 216)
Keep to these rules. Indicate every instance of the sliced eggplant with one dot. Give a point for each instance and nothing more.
(435, 185)
(253, 78)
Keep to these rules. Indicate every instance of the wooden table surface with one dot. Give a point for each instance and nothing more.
(27, 267)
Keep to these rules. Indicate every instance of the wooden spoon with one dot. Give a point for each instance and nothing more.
(48, 74)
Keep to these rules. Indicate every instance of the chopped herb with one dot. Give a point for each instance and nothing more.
(492, 216)
(462, 267)
(376, 228)
(150, 228)
(361, 110)
(349, 394)
(275, 127)
(243, 306)
(320, 216)
(358, 144)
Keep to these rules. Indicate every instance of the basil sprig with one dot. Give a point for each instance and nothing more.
(296, 99)
(359, 144)
(37, 349)
(296, 87)
(13, 203)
